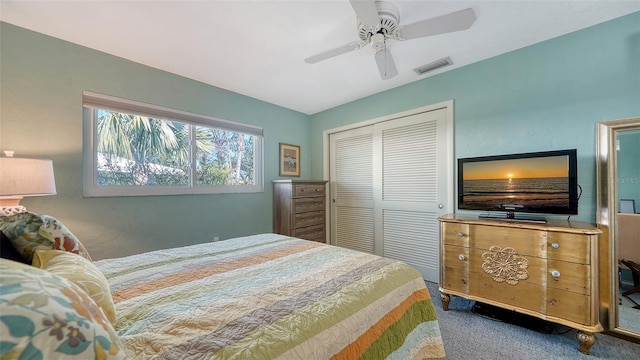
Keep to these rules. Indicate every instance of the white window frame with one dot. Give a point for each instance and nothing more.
(92, 101)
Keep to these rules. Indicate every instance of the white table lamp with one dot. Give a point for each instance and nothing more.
(21, 177)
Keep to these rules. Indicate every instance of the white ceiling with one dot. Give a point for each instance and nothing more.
(256, 48)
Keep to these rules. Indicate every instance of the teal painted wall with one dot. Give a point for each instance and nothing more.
(547, 96)
(41, 84)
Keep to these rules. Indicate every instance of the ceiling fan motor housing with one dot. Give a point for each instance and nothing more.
(389, 19)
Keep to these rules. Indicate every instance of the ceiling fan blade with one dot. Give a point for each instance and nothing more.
(456, 21)
(367, 12)
(386, 65)
(334, 52)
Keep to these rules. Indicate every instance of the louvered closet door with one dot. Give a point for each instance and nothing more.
(408, 199)
(351, 184)
(389, 183)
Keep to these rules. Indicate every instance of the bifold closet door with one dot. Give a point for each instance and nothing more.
(389, 184)
(408, 198)
(351, 187)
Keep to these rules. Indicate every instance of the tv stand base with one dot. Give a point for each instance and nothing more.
(515, 218)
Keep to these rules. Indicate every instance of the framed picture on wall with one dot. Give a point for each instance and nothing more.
(289, 160)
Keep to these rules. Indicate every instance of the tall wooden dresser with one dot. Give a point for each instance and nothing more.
(547, 270)
(299, 208)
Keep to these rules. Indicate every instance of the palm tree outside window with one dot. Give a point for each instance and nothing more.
(163, 151)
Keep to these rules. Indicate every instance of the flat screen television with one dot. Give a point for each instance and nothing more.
(513, 186)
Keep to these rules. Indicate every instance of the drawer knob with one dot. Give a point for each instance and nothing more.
(461, 257)
(555, 245)
(555, 273)
(460, 234)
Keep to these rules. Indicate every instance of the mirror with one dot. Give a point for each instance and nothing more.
(618, 199)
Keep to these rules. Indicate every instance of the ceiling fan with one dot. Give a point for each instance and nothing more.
(379, 21)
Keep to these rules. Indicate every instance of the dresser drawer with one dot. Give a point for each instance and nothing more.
(570, 306)
(315, 233)
(526, 241)
(455, 234)
(305, 219)
(569, 276)
(308, 190)
(569, 247)
(301, 205)
(455, 279)
(526, 294)
(456, 257)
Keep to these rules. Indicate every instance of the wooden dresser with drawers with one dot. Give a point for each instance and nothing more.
(547, 270)
(299, 208)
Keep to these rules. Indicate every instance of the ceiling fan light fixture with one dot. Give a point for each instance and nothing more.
(377, 42)
(440, 63)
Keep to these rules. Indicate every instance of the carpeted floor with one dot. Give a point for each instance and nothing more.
(629, 309)
(467, 335)
(630, 318)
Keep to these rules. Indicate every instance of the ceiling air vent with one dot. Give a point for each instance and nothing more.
(421, 70)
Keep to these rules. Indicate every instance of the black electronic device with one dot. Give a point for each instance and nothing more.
(514, 318)
(514, 186)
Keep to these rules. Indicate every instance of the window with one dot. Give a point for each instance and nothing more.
(133, 148)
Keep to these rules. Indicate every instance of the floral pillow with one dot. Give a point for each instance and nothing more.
(81, 272)
(44, 316)
(29, 231)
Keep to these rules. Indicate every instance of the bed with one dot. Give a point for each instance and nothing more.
(265, 296)
(270, 296)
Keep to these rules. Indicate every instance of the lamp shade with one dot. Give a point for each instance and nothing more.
(26, 177)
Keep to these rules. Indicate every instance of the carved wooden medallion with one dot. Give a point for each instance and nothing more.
(505, 265)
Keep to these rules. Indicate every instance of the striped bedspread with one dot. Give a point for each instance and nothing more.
(271, 296)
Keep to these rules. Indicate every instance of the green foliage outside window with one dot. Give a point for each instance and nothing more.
(135, 150)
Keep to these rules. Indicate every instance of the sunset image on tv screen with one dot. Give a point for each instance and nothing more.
(525, 182)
